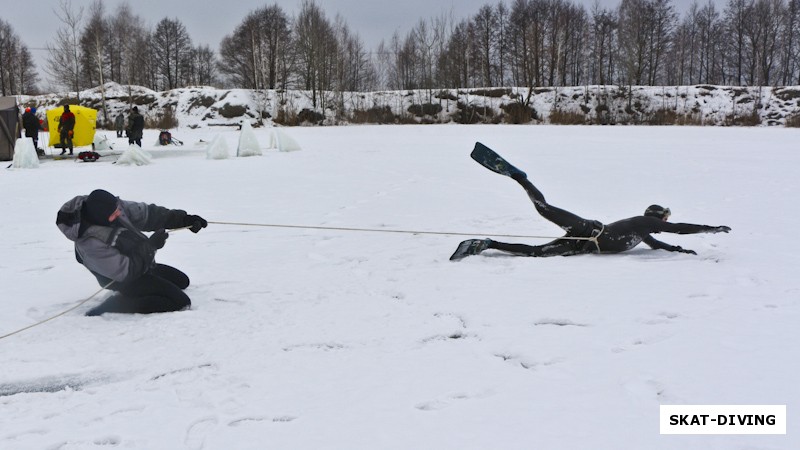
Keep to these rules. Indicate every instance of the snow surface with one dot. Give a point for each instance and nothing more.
(326, 339)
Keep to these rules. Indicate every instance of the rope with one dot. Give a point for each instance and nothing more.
(76, 306)
(57, 315)
(595, 238)
(377, 230)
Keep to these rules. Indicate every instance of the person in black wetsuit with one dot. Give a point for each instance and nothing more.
(590, 236)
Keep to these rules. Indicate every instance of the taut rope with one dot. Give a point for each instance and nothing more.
(380, 230)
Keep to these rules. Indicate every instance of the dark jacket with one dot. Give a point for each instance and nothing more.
(31, 124)
(67, 122)
(135, 125)
(119, 253)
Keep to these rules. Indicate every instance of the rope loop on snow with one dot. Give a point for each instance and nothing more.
(59, 314)
(79, 303)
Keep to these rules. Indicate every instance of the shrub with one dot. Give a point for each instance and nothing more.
(518, 113)
(286, 117)
(793, 121)
(560, 117)
(166, 119)
(745, 120)
(689, 120)
(469, 114)
(307, 115)
(663, 116)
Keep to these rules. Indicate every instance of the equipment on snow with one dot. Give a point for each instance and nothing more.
(494, 162)
(165, 138)
(88, 156)
(470, 247)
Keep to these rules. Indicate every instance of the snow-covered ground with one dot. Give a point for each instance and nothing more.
(327, 339)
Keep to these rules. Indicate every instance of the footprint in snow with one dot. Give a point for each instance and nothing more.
(246, 420)
(197, 432)
(450, 400)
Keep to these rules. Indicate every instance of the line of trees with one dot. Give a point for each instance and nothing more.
(17, 73)
(526, 43)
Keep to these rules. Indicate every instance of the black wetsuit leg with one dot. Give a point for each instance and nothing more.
(559, 247)
(158, 290)
(574, 226)
(567, 221)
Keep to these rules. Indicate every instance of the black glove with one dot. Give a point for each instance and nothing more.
(721, 229)
(195, 222)
(158, 239)
(682, 250)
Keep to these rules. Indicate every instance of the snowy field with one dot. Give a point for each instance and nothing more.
(327, 339)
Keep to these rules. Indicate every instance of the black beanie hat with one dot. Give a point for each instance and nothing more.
(99, 205)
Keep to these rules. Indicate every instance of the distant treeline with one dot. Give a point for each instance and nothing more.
(527, 43)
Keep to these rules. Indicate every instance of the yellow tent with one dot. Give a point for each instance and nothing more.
(85, 120)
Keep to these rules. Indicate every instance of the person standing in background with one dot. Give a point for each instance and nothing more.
(66, 127)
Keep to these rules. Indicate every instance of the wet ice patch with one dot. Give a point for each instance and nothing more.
(71, 382)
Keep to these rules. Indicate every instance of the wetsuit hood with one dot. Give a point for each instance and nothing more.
(657, 211)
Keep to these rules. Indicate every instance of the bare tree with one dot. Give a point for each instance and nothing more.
(485, 27)
(355, 71)
(253, 55)
(17, 72)
(736, 19)
(454, 63)
(603, 45)
(633, 39)
(171, 47)
(789, 50)
(93, 50)
(710, 42)
(202, 67)
(316, 48)
(661, 23)
(528, 27)
(768, 18)
(63, 65)
(429, 38)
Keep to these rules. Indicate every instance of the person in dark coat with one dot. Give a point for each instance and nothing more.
(119, 124)
(590, 236)
(66, 129)
(32, 126)
(109, 242)
(135, 127)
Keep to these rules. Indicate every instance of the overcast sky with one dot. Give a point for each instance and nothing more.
(208, 21)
